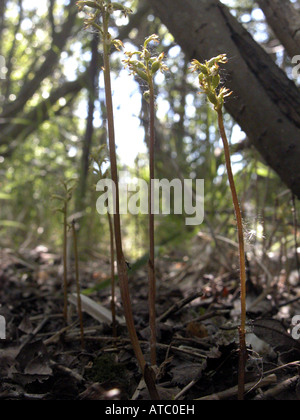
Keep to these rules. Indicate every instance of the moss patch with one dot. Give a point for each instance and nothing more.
(106, 369)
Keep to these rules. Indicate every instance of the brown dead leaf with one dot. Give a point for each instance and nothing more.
(26, 325)
(196, 329)
(7, 361)
(183, 373)
(34, 359)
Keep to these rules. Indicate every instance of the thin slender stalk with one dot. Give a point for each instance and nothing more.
(145, 67)
(65, 197)
(65, 265)
(79, 306)
(121, 263)
(151, 263)
(242, 331)
(112, 274)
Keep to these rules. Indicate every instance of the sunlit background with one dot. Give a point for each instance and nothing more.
(54, 150)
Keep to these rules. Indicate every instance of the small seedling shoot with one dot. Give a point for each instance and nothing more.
(65, 197)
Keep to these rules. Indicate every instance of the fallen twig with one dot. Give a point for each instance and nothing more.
(179, 305)
(209, 315)
(56, 336)
(68, 371)
(188, 351)
(282, 387)
(231, 392)
(185, 389)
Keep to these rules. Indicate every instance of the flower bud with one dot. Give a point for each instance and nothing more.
(203, 68)
(215, 81)
(155, 66)
(142, 74)
(91, 4)
(147, 54)
(123, 9)
(118, 44)
(212, 98)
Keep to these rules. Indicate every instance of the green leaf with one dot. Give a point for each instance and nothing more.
(58, 197)
(4, 196)
(262, 170)
(12, 224)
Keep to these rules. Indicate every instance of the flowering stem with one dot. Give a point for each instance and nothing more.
(242, 330)
(151, 263)
(145, 67)
(209, 80)
(122, 268)
(112, 275)
(121, 263)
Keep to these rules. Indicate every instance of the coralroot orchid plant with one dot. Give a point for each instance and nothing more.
(144, 65)
(65, 197)
(209, 80)
(99, 21)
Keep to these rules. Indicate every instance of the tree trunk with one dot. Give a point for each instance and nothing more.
(2, 23)
(284, 20)
(93, 74)
(265, 103)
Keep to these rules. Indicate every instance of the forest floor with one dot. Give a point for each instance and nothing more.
(42, 358)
